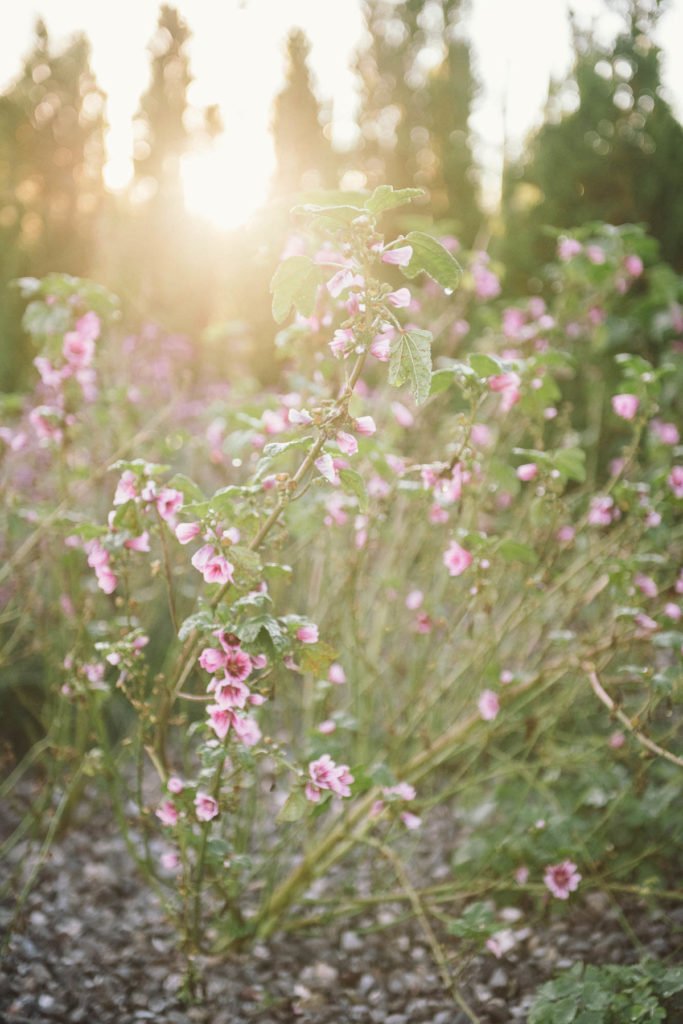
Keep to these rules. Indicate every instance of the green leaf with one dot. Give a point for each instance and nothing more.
(250, 630)
(571, 463)
(330, 216)
(295, 283)
(275, 448)
(199, 620)
(246, 560)
(353, 483)
(294, 807)
(485, 365)
(430, 257)
(40, 319)
(441, 381)
(385, 197)
(187, 487)
(411, 363)
(515, 551)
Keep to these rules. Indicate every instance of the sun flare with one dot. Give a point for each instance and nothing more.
(227, 184)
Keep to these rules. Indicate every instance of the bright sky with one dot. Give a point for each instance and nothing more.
(237, 59)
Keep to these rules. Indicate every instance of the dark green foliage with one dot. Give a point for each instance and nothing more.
(643, 993)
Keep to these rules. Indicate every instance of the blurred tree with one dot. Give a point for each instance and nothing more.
(417, 89)
(610, 149)
(51, 191)
(305, 159)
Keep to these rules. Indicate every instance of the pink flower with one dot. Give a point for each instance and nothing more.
(633, 265)
(206, 806)
(567, 248)
(342, 342)
(528, 471)
(562, 879)
(175, 785)
(211, 659)
(139, 544)
(325, 774)
(220, 719)
(299, 417)
(229, 693)
(218, 570)
(645, 584)
(88, 326)
(595, 254)
(625, 406)
(107, 581)
(521, 875)
(501, 942)
(403, 790)
(672, 611)
(167, 813)
(247, 731)
(616, 740)
(200, 558)
(508, 386)
(601, 511)
(168, 502)
(675, 481)
(169, 860)
(410, 820)
(307, 634)
(336, 674)
(186, 532)
(666, 432)
(342, 280)
(399, 299)
(77, 351)
(402, 415)
(380, 346)
(237, 664)
(365, 426)
(486, 284)
(326, 468)
(126, 489)
(456, 559)
(327, 727)
(398, 257)
(347, 443)
(414, 600)
(488, 705)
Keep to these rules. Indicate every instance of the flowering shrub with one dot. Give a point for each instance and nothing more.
(346, 604)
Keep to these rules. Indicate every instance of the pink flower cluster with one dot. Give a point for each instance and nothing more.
(324, 774)
(230, 667)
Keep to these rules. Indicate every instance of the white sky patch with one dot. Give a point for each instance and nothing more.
(237, 57)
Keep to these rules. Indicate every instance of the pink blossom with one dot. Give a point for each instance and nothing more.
(202, 556)
(675, 481)
(666, 432)
(326, 468)
(325, 774)
(398, 257)
(645, 584)
(247, 731)
(299, 417)
(238, 664)
(186, 532)
(168, 502)
(211, 659)
(77, 351)
(107, 580)
(126, 489)
(601, 511)
(167, 813)
(595, 254)
(506, 677)
(336, 674)
(568, 248)
(45, 420)
(342, 280)
(625, 406)
(380, 346)
(414, 600)
(88, 326)
(616, 740)
(327, 727)
(365, 426)
(342, 342)
(513, 322)
(402, 790)
(508, 386)
(488, 705)
(218, 570)
(633, 265)
(175, 784)
(206, 806)
(562, 879)
(672, 611)
(402, 415)
(486, 284)
(139, 544)
(521, 875)
(220, 719)
(169, 860)
(423, 623)
(399, 299)
(347, 443)
(307, 634)
(410, 820)
(229, 693)
(527, 471)
(645, 623)
(273, 421)
(456, 559)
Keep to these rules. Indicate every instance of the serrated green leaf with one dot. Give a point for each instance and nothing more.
(202, 620)
(246, 560)
(430, 257)
(295, 283)
(353, 483)
(385, 197)
(411, 363)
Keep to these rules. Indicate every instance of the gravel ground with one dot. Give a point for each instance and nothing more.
(94, 948)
